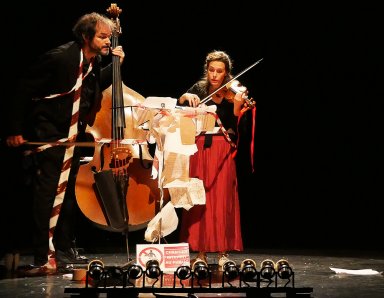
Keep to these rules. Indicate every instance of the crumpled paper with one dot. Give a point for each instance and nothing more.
(355, 271)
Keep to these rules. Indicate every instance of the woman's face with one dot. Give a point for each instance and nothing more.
(216, 73)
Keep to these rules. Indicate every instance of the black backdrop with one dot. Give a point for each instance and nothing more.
(319, 142)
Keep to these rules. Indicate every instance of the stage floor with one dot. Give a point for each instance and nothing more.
(312, 273)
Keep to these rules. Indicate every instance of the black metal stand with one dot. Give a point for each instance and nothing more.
(123, 282)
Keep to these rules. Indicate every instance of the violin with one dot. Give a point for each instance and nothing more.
(231, 89)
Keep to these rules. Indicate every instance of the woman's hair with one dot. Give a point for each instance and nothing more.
(85, 27)
(218, 56)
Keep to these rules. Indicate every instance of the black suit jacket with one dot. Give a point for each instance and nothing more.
(56, 72)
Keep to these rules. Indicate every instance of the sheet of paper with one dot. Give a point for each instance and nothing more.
(176, 167)
(215, 130)
(155, 102)
(163, 224)
(355, 271)
(187, 194)
(173, 143)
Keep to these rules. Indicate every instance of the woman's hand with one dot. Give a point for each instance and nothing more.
(238, 102)
(193, 99)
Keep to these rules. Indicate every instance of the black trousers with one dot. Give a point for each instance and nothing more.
(46, 174)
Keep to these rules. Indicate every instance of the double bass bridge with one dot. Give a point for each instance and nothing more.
(120, 157)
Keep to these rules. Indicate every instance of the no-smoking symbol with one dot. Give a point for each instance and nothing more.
(150, 253)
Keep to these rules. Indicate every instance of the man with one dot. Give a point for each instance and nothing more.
(57, 98)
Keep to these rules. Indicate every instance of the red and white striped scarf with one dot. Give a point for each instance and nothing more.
(67, 160)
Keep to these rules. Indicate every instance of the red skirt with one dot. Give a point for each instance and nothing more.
(215, 226)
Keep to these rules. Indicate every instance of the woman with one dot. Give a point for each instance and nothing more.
(215, 226)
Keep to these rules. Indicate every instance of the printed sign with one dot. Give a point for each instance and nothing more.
(169, 256)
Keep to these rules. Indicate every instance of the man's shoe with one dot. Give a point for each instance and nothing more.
(40, 271)
(69, 256)
(32, 270)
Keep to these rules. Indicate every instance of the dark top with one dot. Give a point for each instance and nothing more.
(56, 72)
(224, 109)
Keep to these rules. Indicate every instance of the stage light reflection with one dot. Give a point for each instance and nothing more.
(134, 271)
(96, 269)
(267, 270)
(183, 272)
(153, 268)
(283, 269)
(248, 269)
(230, 270)
(200, 269)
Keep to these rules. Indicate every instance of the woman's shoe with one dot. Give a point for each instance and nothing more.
(201, 257)
(222, 260)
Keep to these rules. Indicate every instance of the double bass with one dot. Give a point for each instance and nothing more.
(114, 189)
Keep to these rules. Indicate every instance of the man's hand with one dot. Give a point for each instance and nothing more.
(15, 141)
